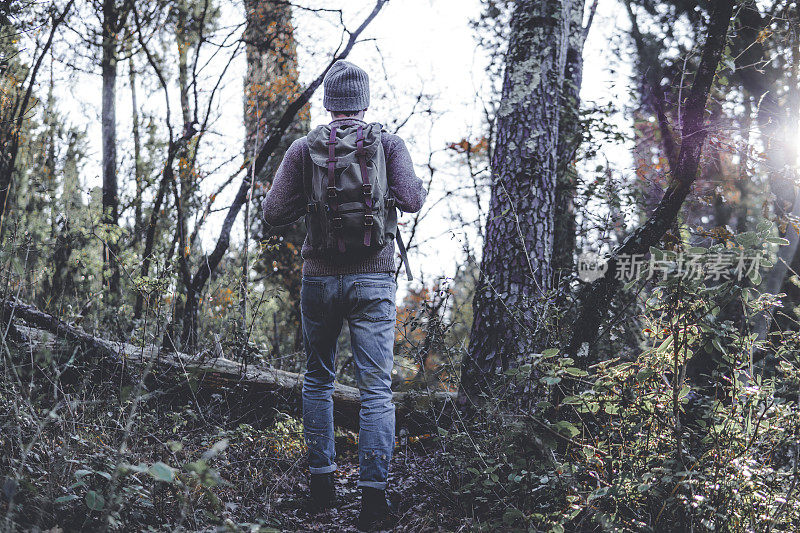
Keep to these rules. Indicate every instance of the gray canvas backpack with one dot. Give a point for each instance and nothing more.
(350, 210)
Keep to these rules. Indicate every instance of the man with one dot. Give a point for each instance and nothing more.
(348, 177)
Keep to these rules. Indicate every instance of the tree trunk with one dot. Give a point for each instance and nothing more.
(569, 138)
(152, 225)
(11, 123)
(109, 138)
(138, 221)
(516, 266)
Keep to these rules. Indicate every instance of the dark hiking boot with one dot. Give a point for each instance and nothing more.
(377, 512)
(323, 492)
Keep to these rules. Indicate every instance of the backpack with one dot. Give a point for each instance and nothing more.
(350, 211)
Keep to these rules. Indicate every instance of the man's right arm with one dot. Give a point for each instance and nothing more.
(285, 201)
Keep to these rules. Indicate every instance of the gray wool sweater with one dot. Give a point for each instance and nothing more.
(285, 202)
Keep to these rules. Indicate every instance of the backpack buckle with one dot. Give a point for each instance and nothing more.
(312, 208)
(369, 220)
(331, 192)
(366, 188)
(336, 223)
(390, 202)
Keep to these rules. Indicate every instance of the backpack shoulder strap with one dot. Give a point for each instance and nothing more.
(308, 189)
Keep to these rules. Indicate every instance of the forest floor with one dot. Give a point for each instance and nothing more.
(416, 494)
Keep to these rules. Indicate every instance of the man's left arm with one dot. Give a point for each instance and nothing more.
(407, 189)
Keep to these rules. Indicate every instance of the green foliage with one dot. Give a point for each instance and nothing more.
(631, 443)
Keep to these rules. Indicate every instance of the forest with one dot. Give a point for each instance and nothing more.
(599, 328)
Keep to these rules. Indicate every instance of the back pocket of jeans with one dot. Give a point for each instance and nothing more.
(375, 300)
(312, 293)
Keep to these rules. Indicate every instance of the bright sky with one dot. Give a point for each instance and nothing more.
(412, 47)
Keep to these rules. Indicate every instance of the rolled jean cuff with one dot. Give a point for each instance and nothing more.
(322, 469)
(380, 485)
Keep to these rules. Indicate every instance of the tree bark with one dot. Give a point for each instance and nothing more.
(516, 266)
(594, 298)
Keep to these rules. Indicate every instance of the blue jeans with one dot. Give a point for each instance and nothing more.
(367, 302)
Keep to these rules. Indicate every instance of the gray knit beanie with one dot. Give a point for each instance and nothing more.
(346, 88)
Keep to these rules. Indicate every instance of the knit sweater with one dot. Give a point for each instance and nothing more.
(285, 202)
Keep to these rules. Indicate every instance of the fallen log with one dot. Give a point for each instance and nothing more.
(415, 409)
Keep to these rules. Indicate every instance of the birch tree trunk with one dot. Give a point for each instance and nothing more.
(516, 265)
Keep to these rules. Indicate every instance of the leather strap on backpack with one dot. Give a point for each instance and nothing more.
(366, 186)
(333, 202)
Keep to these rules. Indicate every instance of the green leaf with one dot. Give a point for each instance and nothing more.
(162, 472)
(512, 515)
(550, 352)
(95, 501)
(777, 240)
(174, 446)
(566, 428)
(599, 493)
(65, 499)
(216, 449)
(684, 391)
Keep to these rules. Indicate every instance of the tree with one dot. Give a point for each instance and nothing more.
(114, 17)
(516, 266)
(570, 134)
(271, 83)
